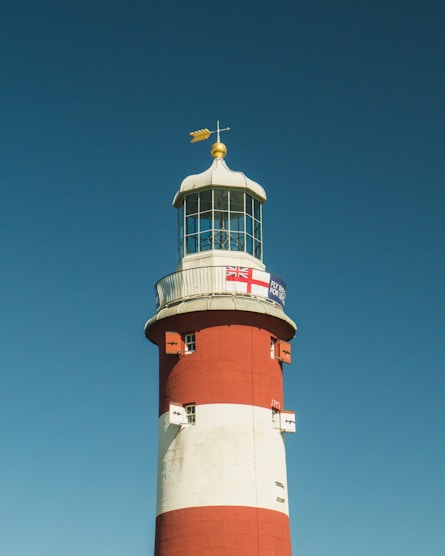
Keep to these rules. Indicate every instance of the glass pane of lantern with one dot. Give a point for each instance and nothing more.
(237, 201)
(221, 198)
(206, 200)
(191, 203)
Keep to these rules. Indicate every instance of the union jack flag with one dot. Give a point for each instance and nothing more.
(235, 272)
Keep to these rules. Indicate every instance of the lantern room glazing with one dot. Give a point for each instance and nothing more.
(220, 219)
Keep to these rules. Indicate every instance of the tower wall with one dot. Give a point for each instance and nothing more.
(222, 486)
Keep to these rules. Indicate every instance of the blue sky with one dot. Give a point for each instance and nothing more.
(337, 110)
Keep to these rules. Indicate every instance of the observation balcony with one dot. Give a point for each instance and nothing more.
(219, 281)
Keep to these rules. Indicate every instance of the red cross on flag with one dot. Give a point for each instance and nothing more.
(247, 280)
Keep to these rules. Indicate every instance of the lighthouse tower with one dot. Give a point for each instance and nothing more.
(223, 339)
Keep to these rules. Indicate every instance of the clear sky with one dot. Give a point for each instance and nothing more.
(337, 109)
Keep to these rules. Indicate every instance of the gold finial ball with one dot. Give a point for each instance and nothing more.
(218, 150)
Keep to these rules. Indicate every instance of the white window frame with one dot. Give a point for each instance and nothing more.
(273, 347)
(190, 412)
(190, 342)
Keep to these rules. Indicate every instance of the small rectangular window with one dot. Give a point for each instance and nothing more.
(190, 411)
(276, 419)
(272, 348)
(190, 343)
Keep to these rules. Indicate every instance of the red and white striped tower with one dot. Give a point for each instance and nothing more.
(223, 337)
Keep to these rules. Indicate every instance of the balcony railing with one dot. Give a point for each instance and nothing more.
(219, 280)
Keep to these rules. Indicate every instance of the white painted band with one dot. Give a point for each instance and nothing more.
(232, 456)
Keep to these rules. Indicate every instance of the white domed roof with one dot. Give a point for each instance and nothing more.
(219, 174)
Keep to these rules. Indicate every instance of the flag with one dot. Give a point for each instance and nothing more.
(247, 280)
(277, 290)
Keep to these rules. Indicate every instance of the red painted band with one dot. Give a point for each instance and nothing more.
(223, 531)
(231, 364)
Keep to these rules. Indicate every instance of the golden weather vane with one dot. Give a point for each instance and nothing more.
(203, 134)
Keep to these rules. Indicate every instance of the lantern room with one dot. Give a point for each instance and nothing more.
(219, 217)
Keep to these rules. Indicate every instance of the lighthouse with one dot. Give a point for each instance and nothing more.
(223, 338)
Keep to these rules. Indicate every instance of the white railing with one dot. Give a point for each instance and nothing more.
(219, 280)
